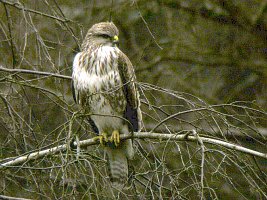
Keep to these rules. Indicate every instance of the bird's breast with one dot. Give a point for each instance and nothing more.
(101, 83)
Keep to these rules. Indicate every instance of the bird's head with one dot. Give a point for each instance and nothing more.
(102, 34)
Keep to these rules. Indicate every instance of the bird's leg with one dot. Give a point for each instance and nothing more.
(115, 137)
(103, 138)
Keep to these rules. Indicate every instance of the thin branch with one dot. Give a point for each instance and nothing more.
(202, 162)
(66, 25)
(26, 71)
(11, 198)
(140, 135)
(10, 28)
(21, 7)
(141, 16)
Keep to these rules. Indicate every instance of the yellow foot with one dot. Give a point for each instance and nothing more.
(103, 138)
(115, 137)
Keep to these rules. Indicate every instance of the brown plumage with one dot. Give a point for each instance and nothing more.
(104, 83)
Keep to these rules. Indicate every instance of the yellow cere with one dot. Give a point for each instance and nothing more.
(116, 38)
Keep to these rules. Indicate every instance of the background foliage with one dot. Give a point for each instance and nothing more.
(204, 63)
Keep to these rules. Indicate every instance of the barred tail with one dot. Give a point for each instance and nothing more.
(118, 167)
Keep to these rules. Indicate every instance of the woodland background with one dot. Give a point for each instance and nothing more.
(203, 64)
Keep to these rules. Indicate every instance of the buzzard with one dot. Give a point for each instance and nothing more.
(104, 84)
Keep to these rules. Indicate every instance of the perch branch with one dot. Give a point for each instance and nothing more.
(141, 135)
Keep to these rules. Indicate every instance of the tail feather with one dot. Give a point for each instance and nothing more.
(118, 167)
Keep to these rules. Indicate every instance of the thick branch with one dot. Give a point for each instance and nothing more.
(143, 135)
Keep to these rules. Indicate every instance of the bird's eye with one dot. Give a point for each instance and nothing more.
(105, 35)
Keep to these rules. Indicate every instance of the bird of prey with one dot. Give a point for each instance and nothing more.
(104, 84)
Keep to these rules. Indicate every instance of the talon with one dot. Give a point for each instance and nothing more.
(103, 138)
(115, 137)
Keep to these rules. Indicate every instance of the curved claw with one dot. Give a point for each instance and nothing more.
(115, 137)
(103, 138)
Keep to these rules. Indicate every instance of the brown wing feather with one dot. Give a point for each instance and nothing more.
(132, 111)
(73, 92)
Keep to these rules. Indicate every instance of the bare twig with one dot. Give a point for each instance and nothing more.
(20, 7)
(141, 16)
(202, 161)
(11, 198)
(26, 71)
(10, 30)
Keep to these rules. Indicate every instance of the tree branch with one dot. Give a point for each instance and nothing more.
(26, 71)
(19, 6)
(141, 135)
(11, 198)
